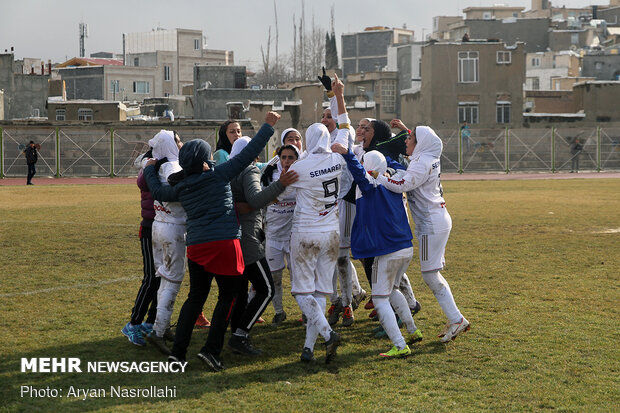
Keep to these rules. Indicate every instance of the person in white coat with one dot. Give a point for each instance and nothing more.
(433, 223)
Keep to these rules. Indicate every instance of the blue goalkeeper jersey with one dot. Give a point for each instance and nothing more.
(380, 226)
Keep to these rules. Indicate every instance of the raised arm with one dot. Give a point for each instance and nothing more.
(346, 134)
(162, 193)
(363, 180)
(234, 166)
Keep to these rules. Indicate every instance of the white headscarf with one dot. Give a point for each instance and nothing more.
(238, 146)
(428, 143)
(285, 132)
(164, 146)
(318, 139)
(375, 161)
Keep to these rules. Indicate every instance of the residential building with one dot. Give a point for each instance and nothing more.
(602, 65)
(497, 12)
(86, 111)
(477, 82)
(24, 95)
(406, 60)
(367, 51)
(89, 61)
(542, 67)
(174, 53)
(441, 27)
(534, 33)
(221, 77)
(379, 88)
(112, 82)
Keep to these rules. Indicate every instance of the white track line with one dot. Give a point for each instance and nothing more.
(68, 287)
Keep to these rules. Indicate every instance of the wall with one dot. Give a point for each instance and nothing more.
(601, 67)
(211, 103)
(220, 77)
(599, 100)
(102, 112)
(546, 101)
(22, 93)
(533, 32)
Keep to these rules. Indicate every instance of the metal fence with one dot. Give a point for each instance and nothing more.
(81, 151)
(103, 151)
(506, 150)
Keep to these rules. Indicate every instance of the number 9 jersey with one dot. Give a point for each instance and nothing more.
(318, 184)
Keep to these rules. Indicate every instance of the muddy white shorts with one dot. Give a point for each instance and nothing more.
(388, 269)
(313, 260)
(432, 248)
(347, 215)
(276, 253)
(169, 250)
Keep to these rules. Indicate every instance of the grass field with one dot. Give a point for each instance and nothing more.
(534, 266)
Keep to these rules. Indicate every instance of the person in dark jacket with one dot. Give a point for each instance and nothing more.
(146, 300)
(246, 188)
(213, 236)
(31, 159)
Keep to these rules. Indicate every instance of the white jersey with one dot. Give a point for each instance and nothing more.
(279, 215)
(170, 212)
(345, 139)
(319, 183)
(422, 183)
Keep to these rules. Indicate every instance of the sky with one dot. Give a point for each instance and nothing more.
(48, 29)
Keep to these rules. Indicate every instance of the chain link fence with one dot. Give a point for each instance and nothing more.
(103, 151)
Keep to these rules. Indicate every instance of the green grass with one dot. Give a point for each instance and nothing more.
(529, 262)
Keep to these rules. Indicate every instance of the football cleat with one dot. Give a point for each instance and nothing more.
(454, 330)
(414, 337)
(347, 316)
(134, 334)
(202, 322)
(396, 353)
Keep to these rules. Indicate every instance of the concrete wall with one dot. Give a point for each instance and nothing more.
(365, 51)
(102, 112)
(563, 39)
(533, 32)
(1, 104)
(220, 77)
(23, 94)
(546, 101)
(599, 100)
(210, 103)
(601, 67)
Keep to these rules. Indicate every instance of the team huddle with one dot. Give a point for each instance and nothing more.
(229, 218)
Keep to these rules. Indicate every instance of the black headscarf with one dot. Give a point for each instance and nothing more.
(223, 142)
(383, 132)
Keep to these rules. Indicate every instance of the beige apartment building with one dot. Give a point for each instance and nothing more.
(497, 12)
(379, 89)
(542, 68)
(174, 53)
(477, 82)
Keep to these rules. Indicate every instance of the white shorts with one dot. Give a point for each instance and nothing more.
(432, 248)
(313, 261)
(276, 253)
(169, 250)
(347, 215)
(388, 269)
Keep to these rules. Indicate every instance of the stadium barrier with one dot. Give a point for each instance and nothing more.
(84, 150)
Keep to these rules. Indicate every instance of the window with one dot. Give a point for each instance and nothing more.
(85, 114)
(166, 72)
(504, 58)
(468, 67)
(503, 112)
(61, 114)
(136, 61)
(598, 65)
(388, 96)
(574, 38)
(36, 113)
(468, 112)
(115, 86)
(536, 83)
(196, 44)
(535, 61)
(141, 87)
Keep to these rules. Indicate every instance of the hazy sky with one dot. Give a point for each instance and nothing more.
(48, 29)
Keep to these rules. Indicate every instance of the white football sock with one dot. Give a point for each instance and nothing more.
(315, 313)
(440, 288)
(401, 307)
(388, 321)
